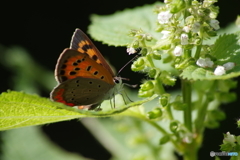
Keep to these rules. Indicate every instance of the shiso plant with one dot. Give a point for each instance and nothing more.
(178, 41)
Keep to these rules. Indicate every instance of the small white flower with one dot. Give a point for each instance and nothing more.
(131, 50)
(205, 62)
(165, 34)
(186, 29)
(196, 27)
(184, 39)
(220, 70)
(201, 62)
(229, 66)
(177, 51)
(229, 138)
(209, 63)
(215, 24)
(163, 17)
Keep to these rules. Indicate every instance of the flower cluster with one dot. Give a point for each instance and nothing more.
(231, 143)
(178, 38)
(219, 70)
(183, 26)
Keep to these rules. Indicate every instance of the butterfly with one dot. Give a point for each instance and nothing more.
(84, 77)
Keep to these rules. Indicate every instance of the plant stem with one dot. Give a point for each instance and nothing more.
(190, 149)
(191, 152)
(169, 112)
(187, 99)
(201, 117)
(197, 53)
(163, 131)
(149, 58)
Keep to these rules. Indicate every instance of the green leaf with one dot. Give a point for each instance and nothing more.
(226, 49)
(30, 143)
(20, 109)
(113, 29)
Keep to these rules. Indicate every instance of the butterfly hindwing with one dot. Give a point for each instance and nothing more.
(81, 91)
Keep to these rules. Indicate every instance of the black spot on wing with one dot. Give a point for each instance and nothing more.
(95, 73)
(86, 47)
(72, 73)
(77, 69)
(63, 66)
(94, 57)
(62, 72)
(89, 68)
(64, 78)
(75, 64)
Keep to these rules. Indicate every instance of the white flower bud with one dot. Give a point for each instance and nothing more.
(184, 39)
(196, 27)
(186, 29)
(220, 70)
(165, 34)
(131, 50)
(205, 62)
(215, 24)
(177, 51)
(229, 138)
(163, 17)
(209, 63)
(229, 66)
(201, 63)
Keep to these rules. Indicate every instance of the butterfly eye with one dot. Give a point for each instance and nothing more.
(116, 80)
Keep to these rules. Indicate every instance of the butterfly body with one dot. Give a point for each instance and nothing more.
(85, 79)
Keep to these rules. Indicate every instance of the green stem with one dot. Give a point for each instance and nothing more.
(201, 117)
(163, 131)
(188, 53)
(187, 99)
(199, 47)
(149, 58)
(169, 112)
(202, 112)
(197, 53)
(191, 152)
(151, 146)
(159, 87)
(159, 128)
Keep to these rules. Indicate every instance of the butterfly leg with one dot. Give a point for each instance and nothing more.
(125, 94)
(112, 105)
(114, 102)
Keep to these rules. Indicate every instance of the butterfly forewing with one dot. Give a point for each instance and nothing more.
(83, 44)
(72, 64)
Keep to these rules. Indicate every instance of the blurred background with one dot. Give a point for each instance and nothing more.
(43, 30)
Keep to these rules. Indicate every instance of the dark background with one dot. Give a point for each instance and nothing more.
(45, 29)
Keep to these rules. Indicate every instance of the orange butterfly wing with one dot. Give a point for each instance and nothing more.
(84, 76)
(72, 64)
(82, 60)
(83, 44)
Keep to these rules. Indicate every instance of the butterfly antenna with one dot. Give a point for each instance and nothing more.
(127, 64)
